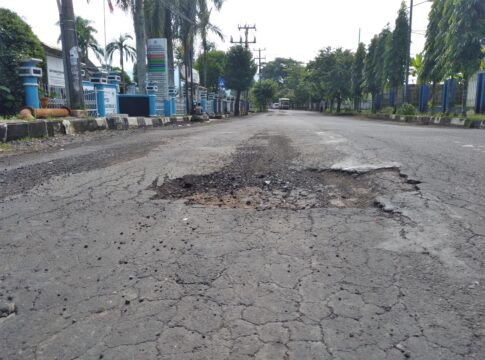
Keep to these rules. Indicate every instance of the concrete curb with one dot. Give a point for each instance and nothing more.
(21, 129)
(10, 131)
(427, 120)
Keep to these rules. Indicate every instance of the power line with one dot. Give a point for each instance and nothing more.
(177, 12)
(259, 58)
(246, 42)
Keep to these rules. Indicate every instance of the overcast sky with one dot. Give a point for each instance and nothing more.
(296, 29)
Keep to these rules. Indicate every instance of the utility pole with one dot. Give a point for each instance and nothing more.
(70, 55)
(408, 57)
(260, 64)
(246, 41)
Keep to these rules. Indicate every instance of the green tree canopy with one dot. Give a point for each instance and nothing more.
(278, 69)
(126, 51)
(17, 42)
(433, 47)
(358, 75)
(372, 82)
(86, 40)
(239, 71)
(214, 64)
(397, 52)
(463, 52)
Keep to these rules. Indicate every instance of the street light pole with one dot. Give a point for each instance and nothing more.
(408, 57)
(70, 55)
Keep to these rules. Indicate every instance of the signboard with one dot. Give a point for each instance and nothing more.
(221, 82)
(55, 72)
(110, 100)
(157, 70)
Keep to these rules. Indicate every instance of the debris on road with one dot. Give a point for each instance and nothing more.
(7, 309)
(238, 185)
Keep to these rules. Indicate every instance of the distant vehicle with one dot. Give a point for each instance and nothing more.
(276, 106)
(284, 103)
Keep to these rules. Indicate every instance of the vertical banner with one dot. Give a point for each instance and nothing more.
(157, 73)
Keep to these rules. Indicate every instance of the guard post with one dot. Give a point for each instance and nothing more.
(100, 80)
(30, 74)
(152, 90)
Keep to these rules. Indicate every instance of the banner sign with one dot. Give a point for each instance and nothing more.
(157, 70)
(55, 72)
(110, 96)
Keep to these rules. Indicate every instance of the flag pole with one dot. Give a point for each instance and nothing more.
(104, 19)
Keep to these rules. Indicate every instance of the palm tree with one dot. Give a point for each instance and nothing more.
(127, 52)
(86, 39)
(188, 29)
(417, 67)
(160, 23)
(204, 26)
(136, 7)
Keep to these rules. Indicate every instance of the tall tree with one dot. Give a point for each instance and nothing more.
(204, 26)
(431, 72)
(136, 7)
(278, 70)
(127, 52)
(319, 68)
(373, 83)
(358, 75)
(381, 63)
(187, 21)
(339, 77)
(263, 92)
(397, 54)
(159, 22)
(463, 52)
(213, 64)
(86, 40)
(239, 71)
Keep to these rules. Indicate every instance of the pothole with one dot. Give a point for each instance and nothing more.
(263, 176)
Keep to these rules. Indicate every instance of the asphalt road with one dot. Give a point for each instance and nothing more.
(287, 235)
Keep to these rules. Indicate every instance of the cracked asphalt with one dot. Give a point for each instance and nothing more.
(95, 264)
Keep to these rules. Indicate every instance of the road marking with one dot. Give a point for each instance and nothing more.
(468, 146)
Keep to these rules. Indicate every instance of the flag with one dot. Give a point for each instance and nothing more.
(110, 5)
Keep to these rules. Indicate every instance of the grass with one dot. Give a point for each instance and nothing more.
(5, 147)
(477, 117)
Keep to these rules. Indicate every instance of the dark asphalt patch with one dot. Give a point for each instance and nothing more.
(263, 176)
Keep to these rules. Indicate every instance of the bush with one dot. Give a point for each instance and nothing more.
(407, 109)
(17, 42)
(387, 110)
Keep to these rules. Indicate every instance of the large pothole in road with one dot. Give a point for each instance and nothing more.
(263, 176)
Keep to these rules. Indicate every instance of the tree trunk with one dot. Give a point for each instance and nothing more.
(169, 36)
(186, 71)
(465, 96)
(204, 45)
(122, 64)
(339, 103)
(139, 25)
(236, 105)
(191, 76)
(433, 91)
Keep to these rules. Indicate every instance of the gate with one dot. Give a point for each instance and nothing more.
(90, 103)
